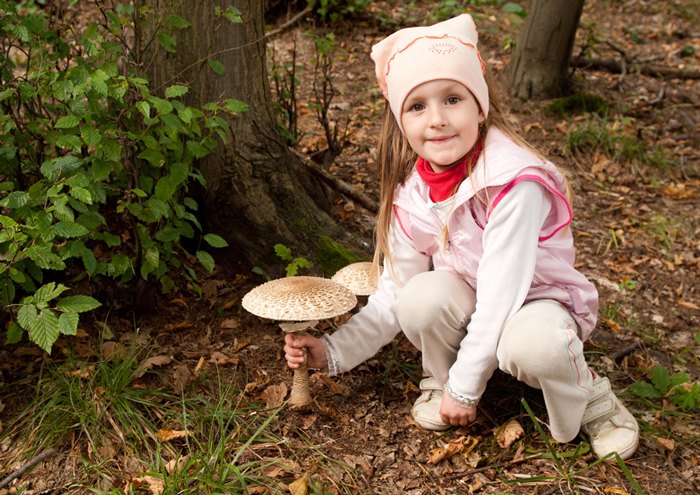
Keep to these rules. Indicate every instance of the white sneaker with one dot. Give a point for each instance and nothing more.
(610, 427)
(426, 409)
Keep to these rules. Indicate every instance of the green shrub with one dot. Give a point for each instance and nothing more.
(95, 168)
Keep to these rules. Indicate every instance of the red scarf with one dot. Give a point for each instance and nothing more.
(444, 184)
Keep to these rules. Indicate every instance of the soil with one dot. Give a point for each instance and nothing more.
(637, 230)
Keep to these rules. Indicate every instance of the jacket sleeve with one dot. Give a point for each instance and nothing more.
(503, 279)
(375, 325)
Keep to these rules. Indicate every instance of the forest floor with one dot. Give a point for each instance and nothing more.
(635, 172)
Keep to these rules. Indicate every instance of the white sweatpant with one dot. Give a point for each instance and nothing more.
(539, 345)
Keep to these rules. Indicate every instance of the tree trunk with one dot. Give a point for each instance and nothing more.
(539, 66)
(258, 193)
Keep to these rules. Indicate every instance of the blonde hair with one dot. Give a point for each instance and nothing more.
(396, 160)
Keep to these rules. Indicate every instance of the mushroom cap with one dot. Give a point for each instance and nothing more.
(356, 277)
(299, 299)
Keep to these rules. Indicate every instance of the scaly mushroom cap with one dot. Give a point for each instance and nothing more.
(356, 277)
(299, 298)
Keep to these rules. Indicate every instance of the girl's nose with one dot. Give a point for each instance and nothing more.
(437, 118)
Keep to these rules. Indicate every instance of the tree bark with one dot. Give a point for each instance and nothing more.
(539, 66)
(258, 193)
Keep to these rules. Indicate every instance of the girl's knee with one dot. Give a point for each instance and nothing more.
(433, 299)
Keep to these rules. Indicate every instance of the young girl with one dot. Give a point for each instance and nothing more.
(478, 254)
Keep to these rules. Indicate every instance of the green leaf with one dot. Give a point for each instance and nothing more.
(44, 258)
(68, 323)
(176, 90)
(167, 42)
(62, 166)
(206, 260)
(163, 107)
(216, 66)
(661, 379)
(283, 252)
(77, 304)
(154, 157)
(44, 331)
(26, 316)
(144, 108)
(514, 8)
(70, 229)
(215, 241)
(645, 390)
(16, 199)
(81, 194)
(67, 122)
(47, 292)
(197, 150)
(177, 22)
(91, 136)
(14, 334)
(235, 106)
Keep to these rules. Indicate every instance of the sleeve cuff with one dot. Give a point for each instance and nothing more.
(331, 357)
(460, 400)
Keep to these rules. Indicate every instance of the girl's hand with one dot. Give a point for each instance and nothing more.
(304, 348)
(454, 414)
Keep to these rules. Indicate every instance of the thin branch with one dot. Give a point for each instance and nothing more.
(616, 67)
(19, 471)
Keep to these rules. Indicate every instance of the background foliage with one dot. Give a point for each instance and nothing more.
(96, 167)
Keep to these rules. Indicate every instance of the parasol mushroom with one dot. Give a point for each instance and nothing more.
(358, 278)
(300, 302)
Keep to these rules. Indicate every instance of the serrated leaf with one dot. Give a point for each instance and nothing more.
(77, 304)
(14, 334)
(70, 229)
(16, 199)
(67, 122)
(215, 241)
(197, 150)
(44, 330)
(81, 194)
(216, 66)
(167, 42)
(68, 323)
(206, 259)
(48, 292)
(91, 136)
(144, 108)
(26, 316)
(661, 379)
(176, 90)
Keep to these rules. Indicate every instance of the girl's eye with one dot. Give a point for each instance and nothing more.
(417, 107)
(453, 100)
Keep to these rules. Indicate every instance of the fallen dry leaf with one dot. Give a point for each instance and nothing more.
(300, 486)
(177, 326)
(274, 395)
(462, 445)
(230, 324)
(155, 485)
(181, 378)
(221, 359)
(167, 435)
(616, 491)
(509, 433)
(334, 387)
(175, 465)
(152, 362)
(666, 443)
(200, 365)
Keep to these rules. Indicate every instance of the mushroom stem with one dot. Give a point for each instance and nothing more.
(300, 395)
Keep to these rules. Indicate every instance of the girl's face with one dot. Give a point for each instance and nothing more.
(441, 121)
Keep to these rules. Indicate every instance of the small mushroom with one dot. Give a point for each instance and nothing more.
(358, 278)
(301, 302)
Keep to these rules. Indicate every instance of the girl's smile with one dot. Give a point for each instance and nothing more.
(441, 121)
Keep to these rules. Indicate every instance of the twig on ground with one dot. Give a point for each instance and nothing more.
(500, 465)
(288, 24)
(19, 471)
(625, 351)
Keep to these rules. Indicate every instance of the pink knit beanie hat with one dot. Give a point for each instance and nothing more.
(413, 56)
